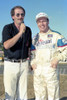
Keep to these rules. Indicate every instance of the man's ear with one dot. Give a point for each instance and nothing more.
(13, 17)
(48, 21)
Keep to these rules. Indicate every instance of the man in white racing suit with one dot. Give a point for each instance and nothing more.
(48, 48)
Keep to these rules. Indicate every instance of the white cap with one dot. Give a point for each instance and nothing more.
(41, 14)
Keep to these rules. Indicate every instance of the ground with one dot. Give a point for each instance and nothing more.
(63, 87)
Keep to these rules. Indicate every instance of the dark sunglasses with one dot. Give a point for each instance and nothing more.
(22, 14)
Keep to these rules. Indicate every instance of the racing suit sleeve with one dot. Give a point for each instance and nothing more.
(33, 50)
(61, 52)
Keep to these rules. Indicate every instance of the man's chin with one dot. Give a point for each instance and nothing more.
(19, 22)
(42, 30)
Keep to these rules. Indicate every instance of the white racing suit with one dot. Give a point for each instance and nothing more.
(45, 47)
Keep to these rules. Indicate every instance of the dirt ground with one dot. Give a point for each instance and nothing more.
(63, 87)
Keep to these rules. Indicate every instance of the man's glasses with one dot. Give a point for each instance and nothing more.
(22, 14)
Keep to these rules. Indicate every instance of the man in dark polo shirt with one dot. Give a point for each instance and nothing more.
(16, 41)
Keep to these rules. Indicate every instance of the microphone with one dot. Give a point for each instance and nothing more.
(22, 21)
(24, 28)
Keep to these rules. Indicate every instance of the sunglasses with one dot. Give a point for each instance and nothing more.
(22, 14)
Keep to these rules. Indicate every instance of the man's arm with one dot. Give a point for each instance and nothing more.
(61, 53)
(11, 42)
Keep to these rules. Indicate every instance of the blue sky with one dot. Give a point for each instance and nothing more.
(56, 10)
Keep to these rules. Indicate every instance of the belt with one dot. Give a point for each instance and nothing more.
(15, 60)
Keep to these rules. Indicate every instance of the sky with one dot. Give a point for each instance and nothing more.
(55, 9)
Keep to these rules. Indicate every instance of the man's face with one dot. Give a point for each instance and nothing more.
(43, 24)
(18, 16)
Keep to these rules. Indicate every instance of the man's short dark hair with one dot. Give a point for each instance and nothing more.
(12, 10)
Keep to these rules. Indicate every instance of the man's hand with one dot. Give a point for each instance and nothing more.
(54, 63)
(34, 66)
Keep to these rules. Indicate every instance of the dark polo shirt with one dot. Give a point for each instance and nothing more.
(20, 49)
